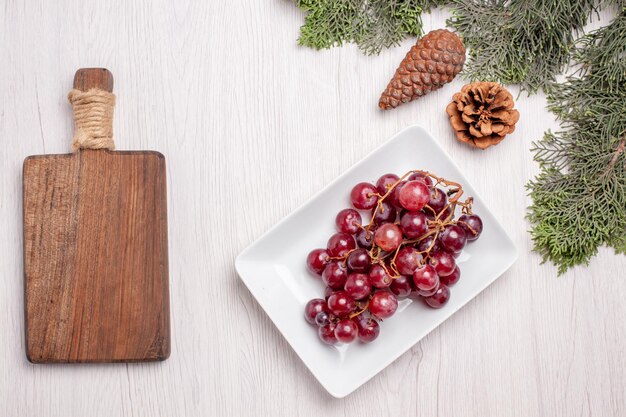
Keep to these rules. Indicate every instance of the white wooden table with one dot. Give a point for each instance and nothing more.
(252, 125)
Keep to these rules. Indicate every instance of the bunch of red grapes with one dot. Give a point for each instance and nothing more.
(408, 249)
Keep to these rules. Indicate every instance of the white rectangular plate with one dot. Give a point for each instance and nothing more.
(274, 268)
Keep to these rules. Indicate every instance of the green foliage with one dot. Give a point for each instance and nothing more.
(371, 24)
(579, 197)
(510, 41)
(518, 41)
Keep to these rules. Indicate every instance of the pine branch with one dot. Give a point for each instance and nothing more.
(579, 197)
(525, 42)
(371, 24)
(519, 41)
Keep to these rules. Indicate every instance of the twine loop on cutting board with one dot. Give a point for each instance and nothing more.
(93, 119)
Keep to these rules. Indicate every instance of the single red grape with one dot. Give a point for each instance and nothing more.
(317, 260)
(364, 196)
(418, 176)
(425, 278)
(414, 195)
(401, 286)
(443, 262)
(365, 238)
(438, 200)
(442, 215)
(327, 333)
(379, 277)
(451, 279)
(453, 238)
(472, 224)
(313, 308)
(348, 221)
(322, 318)
(328, 292)
(388, 237)
(385, 213)
(413, 224)
(340, 244)
(359, 260)
(394, 196)
(429, 292)
(346, 331)
(385, 182)
(358, 286)
(383, 304)
(425, 244)
(407, 260)
(335, 275)
(368, 329)
(341, 304)
(439, 298)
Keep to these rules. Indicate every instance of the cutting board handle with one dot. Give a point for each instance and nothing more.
(87, 78)
(93, 103)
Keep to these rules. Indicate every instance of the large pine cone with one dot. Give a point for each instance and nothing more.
(482, 114)
(434, 61)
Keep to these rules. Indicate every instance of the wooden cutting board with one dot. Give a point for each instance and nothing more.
(95, 253)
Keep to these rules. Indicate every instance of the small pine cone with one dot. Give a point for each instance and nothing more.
(482, 114)
(432, 62)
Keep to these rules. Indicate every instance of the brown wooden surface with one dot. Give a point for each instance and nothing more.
(87, 78)
(95, 253)
(95, 257)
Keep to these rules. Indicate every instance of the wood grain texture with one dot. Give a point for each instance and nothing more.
(95, 257)
(252, 125)
(95, 252)
(87, 78)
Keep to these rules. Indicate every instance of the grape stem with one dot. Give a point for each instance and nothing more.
(436, 225)
(454, 193)
(382, 264)
(469, 227)
(341, 258)
(362, 310)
